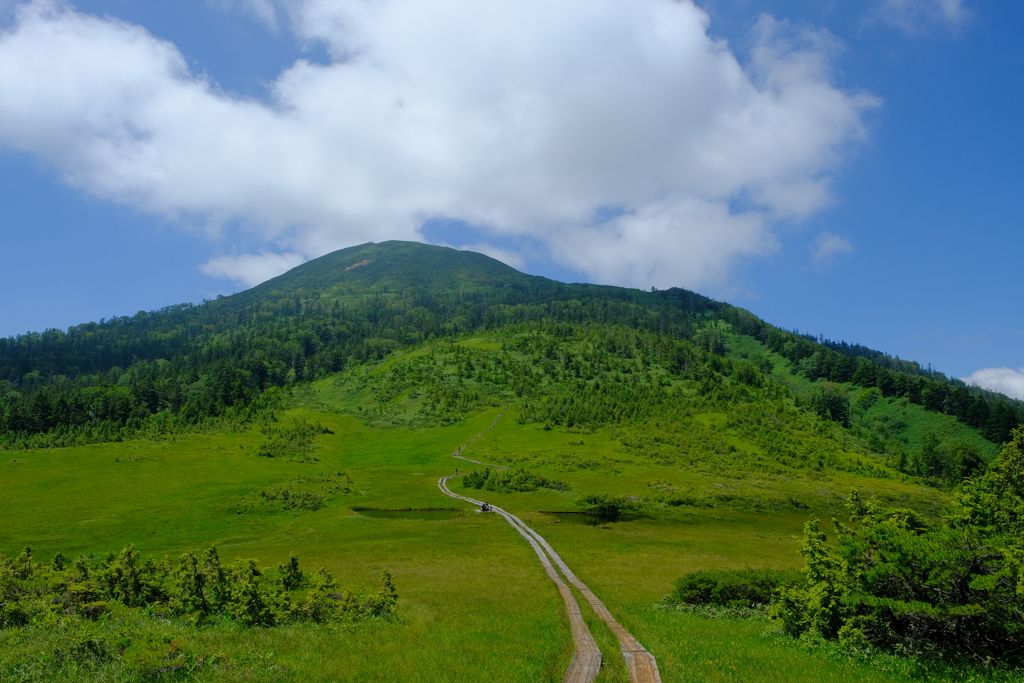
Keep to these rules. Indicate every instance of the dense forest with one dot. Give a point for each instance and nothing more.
(184, 365)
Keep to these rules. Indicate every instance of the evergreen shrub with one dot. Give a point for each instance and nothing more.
(732, 588)
(950, 590)
(512, 479)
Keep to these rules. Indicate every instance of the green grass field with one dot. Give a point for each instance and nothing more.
(474, 602)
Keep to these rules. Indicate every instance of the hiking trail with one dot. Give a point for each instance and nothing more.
(586, 659)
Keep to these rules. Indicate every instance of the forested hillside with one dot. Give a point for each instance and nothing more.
(184, 365)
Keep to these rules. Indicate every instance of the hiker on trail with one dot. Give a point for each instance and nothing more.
(485, 507)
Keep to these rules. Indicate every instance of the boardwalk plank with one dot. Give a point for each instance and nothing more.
(586, 660)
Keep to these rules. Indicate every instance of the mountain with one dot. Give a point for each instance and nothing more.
(315, 415)
(184, 364)
(394, 266)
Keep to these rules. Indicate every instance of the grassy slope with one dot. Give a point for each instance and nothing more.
(474, 602)
(894, 419)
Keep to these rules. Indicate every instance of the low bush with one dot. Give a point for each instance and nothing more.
(513, 479)
(198, 590)
(608, 503)
(307, 493)
(295, 441)
(736, 588)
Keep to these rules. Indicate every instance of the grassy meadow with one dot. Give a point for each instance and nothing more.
(474, 603)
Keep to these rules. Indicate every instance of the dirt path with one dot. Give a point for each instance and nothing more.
(586, 660)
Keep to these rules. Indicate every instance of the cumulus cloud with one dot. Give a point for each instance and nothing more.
(251, 269)
(914, 16)
(1004, 380)
(509, 258)
(524, 118)
(665, 243)
(826, 247)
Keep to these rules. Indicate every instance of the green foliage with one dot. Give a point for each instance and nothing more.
(963, 462)
(437, 387)
(307, 493)
(291, 576)
(178, 369)
(993, 414)
(456, 618)
(12, 614)
(195, 591)
(943, 462)
(608, 503)
(867, 398)
(128, 618)
(155, 655)
(199, 586)
(512, 479)
(653, 380)
(994, 503)
(132, 583)
(831, 402)
(296, 441)
(179, 366)
(735, 588)
(955, 589)
(660, 394)
(288, 498)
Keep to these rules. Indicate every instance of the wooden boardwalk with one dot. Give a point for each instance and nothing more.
(586, 660)
(466, 445)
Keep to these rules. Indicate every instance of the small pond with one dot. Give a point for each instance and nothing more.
(430, 515)
(591, 518)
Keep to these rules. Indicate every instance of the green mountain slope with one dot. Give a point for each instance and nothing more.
(392, 266)
(187, 364)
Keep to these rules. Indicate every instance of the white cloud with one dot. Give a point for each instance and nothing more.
(665, 244)
(1004, 380)
(914, 16)
(251, 269)
(507, 257)
(826, 247)
(524, 118)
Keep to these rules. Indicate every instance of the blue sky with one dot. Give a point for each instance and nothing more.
(848, 168)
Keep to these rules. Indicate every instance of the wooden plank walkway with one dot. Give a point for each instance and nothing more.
(466, 445)
(586, 660)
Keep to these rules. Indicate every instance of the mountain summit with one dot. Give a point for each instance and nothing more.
(397, 265)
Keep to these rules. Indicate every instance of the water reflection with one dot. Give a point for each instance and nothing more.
(591, 518)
